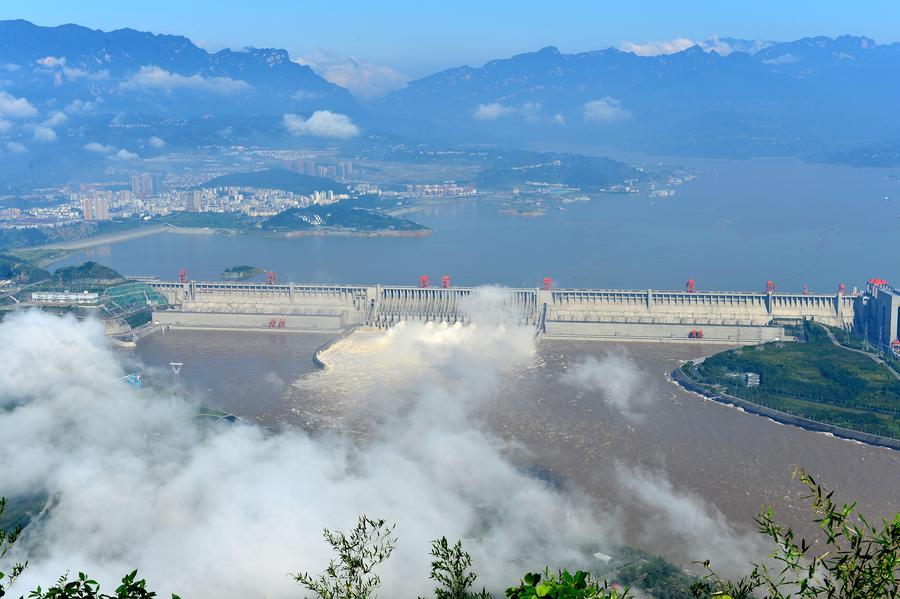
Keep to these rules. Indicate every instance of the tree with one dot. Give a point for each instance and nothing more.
(351, 575)
(860, 560)
(7, 538)
(450, 570)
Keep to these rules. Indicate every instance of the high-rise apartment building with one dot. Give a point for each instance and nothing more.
(95, 208)
(144, 186)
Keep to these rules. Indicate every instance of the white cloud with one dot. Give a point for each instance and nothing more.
(99, 148)
(156, 142)
(361, 78)
(322, 123)
(44, 134)
(783, 59)
(125, 155)
(679, 44)
(13, 107)
(658, 47)
(52, 62)
(5, 126)
(74, 73)
(559, 119)
(81, 106)
(16, 147)
(56, 119)
(58, 64)
(605, 110)
(492, 111)
(150, 78)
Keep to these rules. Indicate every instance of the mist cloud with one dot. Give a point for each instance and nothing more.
(153, 78)
(700, 527)
(605, 110)
(322, 123)
(618, 379)
(227, 511)
(364, 79)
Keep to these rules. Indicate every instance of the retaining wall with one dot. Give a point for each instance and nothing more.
(209, 320)
(661, 333)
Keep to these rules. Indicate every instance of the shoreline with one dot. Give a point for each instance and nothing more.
(779, 417)
(137, 233)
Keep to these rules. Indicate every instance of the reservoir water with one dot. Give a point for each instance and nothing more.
(739, 224)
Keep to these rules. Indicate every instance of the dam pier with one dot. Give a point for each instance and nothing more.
(725, 317)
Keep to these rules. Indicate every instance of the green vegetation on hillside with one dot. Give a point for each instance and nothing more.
(277, 178)
(336, 216)
(816, 380)
(19, 270)
(585, 172)
(88, 274)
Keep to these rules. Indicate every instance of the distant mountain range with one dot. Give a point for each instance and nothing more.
(140, 72)
(122, 95)
(764, 98)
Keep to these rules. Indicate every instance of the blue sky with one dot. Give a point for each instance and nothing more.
(419, 37)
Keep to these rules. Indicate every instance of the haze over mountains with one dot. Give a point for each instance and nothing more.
(128, 95)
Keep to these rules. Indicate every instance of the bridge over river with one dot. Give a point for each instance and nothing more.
(611, 314)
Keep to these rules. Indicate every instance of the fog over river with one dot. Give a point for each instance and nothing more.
(682, 476)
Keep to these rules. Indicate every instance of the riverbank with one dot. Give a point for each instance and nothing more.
(684, 381)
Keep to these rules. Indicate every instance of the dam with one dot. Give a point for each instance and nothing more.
(650, 315)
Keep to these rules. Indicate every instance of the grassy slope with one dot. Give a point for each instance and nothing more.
(816, 380)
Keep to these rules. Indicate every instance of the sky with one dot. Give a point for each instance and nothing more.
(413, 38)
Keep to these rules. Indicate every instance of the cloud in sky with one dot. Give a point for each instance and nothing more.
(13, 107)
(605, 110)
(492, 111)
(679, 44)
(153, 78)
(44, 134)
(5, 126)
(52, 62)
(58, 64)
(363, 79)
(156, 142)
(125, 155)
(81, 106)
(99, 148)
(322, 123)
(55, 119)
(15, 147)
(656, 48)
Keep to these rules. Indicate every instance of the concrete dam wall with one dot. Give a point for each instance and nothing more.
(626, 315)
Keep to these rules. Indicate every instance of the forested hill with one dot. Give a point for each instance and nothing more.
(277, 178)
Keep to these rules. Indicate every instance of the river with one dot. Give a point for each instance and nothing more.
(739, 224)
(734, 461)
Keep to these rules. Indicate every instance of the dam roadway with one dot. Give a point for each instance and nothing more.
(650, 315)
